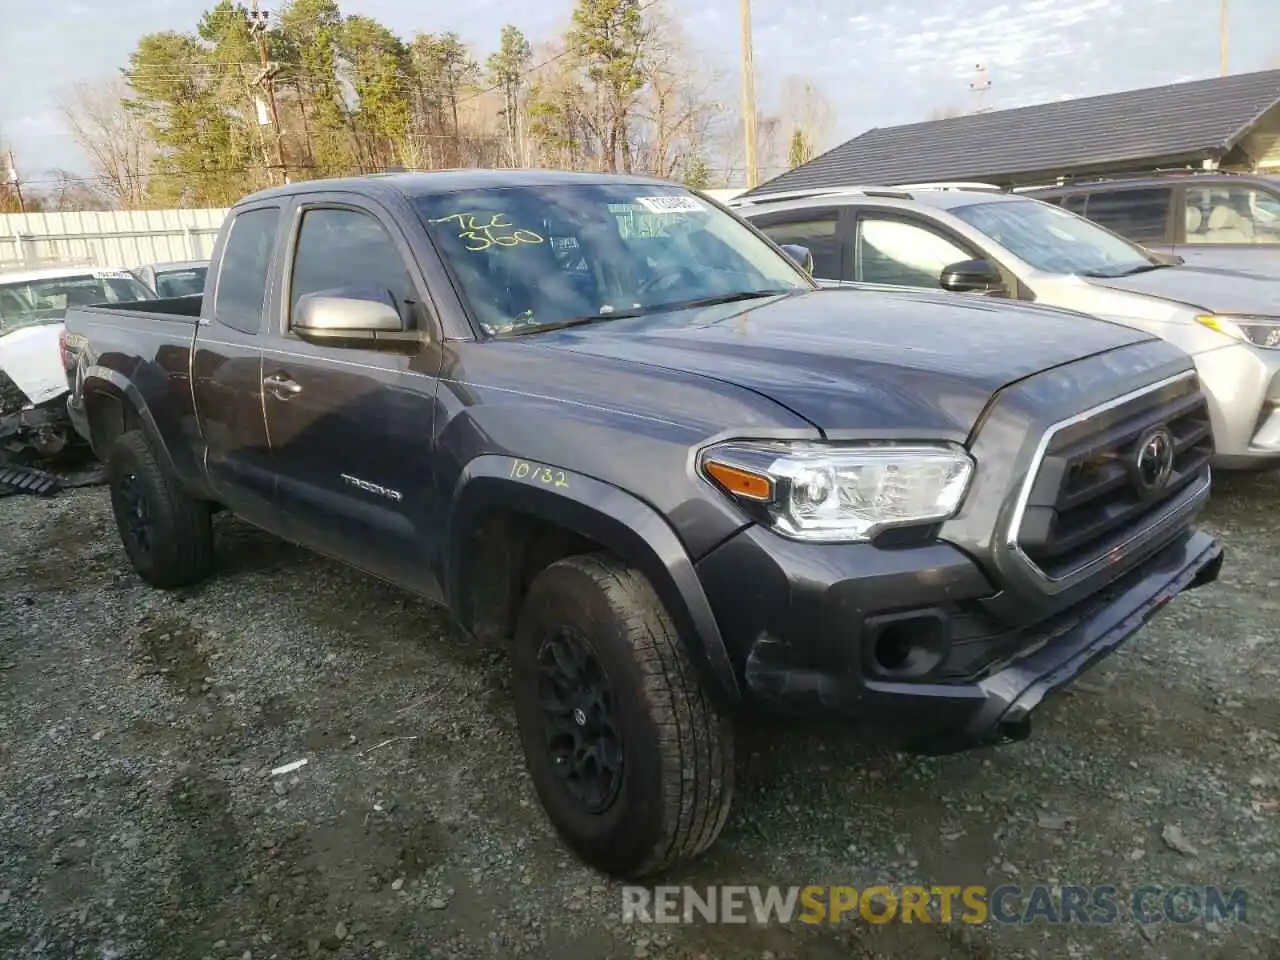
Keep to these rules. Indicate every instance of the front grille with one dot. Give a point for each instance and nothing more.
(1091, 493)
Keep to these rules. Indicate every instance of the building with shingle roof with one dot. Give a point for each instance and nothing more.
(1228, 122)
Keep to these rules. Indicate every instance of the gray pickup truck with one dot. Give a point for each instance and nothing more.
(613, 426)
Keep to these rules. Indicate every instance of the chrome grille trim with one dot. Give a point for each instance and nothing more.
(1185, 504)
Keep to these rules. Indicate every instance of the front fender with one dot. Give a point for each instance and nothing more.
(605, 514)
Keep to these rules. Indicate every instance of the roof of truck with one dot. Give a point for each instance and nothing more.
(448, 181)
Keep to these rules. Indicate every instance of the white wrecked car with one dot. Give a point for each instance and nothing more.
(33, 375)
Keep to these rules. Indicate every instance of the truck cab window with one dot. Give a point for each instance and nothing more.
(339, 248)
(242, 279)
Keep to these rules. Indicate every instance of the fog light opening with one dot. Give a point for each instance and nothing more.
(908, 647)
(894, 647)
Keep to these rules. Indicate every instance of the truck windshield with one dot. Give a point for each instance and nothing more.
(27, 302)
(528, 258)
(1054, 240)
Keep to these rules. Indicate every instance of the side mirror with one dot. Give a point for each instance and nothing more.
(356, 317)
(800, 255)
(1173, 259)
(971, 276)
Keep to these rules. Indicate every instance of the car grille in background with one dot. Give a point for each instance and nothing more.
(1088, 498)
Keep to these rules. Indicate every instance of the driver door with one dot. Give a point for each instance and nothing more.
(898, 252)
(351, 426)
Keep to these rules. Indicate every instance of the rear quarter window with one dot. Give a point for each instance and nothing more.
(241, 290)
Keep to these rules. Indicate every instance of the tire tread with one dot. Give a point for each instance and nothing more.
(695, 738)
(183, 524)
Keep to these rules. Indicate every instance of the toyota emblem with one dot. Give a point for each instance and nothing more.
(1154, 461)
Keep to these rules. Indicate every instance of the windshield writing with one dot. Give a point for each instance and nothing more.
(529, 257)
(481, 235)
(1054, 240)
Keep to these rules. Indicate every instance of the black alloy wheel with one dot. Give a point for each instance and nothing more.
(582, 737)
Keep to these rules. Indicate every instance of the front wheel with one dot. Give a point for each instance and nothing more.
(629, 755)
(167, 535)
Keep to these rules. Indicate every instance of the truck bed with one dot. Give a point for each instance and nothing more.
(172, 308)
(145, 343)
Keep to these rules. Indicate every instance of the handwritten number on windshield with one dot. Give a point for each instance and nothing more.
(481, 236)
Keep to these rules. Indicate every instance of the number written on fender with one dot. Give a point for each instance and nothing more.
(536, 473)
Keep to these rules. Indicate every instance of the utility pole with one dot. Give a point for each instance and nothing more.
(16, 183)
(980, 84)
(258, 27)
(1222, 39)
(749, 96)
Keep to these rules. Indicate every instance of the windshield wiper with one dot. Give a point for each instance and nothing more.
(643, 311)
(566, 324)
(723, 298)
(1139, 268)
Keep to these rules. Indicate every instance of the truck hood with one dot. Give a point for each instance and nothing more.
(1205, 288)
(29, 356)
(848, 359)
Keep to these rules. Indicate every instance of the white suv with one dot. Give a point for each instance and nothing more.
(987, 242)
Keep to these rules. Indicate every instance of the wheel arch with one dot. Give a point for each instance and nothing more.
(492, 512)
(113, 405)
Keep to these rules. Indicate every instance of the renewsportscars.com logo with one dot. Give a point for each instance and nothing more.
(1007, 904)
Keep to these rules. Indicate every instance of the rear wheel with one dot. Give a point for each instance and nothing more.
(167, 535)
(631, 759)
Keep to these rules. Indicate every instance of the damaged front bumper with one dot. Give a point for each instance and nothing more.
(43, 430)
(814, 654)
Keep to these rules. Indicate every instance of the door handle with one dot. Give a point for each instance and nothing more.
(281, 387)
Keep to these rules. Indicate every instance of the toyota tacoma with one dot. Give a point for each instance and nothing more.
(607, 422)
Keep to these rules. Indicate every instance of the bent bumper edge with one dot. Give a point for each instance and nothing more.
(940, 718)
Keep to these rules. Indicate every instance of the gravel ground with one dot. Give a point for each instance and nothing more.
(139, 819)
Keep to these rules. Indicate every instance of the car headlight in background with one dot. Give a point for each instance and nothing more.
(835, 492)
(1260, 331)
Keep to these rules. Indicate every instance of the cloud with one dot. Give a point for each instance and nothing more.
(878, 65)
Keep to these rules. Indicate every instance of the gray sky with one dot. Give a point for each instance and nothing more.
(879, 65)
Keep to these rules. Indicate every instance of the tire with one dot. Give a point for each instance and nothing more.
(672, 794)
(167, 535)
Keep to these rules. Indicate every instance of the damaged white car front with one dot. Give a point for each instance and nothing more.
(33, 367)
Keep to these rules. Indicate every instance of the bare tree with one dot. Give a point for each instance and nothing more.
(678, 109)
(114, 138)
(806, 116)
(70, 193)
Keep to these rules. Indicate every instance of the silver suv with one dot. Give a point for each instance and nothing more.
(1218, 219)
(990, 243)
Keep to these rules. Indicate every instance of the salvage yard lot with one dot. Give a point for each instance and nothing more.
(138, 817)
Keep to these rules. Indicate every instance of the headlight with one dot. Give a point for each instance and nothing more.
(1260, 331)
(833, 492)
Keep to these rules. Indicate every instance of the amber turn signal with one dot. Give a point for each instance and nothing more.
(739, 482)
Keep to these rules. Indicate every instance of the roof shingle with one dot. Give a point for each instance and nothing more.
(1173, 124)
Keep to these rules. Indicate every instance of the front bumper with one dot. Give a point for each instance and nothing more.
(801, 638)
(1242, 385)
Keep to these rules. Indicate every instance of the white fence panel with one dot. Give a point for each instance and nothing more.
(115, 238)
